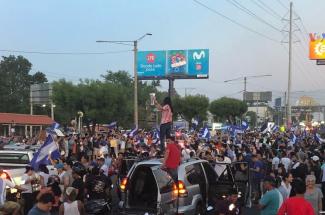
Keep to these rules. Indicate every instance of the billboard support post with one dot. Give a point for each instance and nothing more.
(171, 87)
(135, 49)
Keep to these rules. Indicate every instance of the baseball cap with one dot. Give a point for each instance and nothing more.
(59, 166)
(315, 158)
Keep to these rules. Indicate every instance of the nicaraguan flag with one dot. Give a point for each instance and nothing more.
(112, 125)
(195, 123)
(293, 138)
(244, 125)
(318, 138)
(42, 155)
(133, 132)
(206, 133)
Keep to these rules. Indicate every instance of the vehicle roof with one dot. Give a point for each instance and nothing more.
(156, 161)
(21, 151)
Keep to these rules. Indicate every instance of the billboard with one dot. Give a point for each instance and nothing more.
(278, 102)
(258, 96)
(175, 64)
(41, 93)
(317, 47)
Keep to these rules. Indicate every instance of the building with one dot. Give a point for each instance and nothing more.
(22, 124)
(263, 113)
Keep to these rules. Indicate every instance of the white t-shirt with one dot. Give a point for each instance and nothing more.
(286, 162)
(220, 166)
(104, 168)
(186, 154)
(275, 162)
(28, 186)
(3, 184)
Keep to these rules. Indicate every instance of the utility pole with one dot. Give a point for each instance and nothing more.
(290, 70)
(136, 114)
(245, 84)
(245, 81)
(135, 50)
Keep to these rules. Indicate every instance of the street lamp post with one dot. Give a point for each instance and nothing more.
(135, 50)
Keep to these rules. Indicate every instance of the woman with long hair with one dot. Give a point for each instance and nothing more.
(166, 120)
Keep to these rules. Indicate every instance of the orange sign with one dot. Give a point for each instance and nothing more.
(317, 49)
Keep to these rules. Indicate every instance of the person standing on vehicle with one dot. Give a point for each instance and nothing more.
(27, 179)
(172, 158)
(166, 120)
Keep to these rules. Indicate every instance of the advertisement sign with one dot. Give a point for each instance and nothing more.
(41, 93)
(151, 64)
(198, 63)
(175, 64)
(317, 50)
(258, 96)
(317, 47)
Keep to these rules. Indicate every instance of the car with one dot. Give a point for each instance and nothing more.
(14, 162)
(149, 189)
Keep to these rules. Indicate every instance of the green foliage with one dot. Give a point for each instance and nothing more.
(192, 106)
(227, 108)
(15, 83)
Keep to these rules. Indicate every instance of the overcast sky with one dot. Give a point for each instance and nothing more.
(75, 25)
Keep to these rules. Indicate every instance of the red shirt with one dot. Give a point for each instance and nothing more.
(296, 206)
(174, 156)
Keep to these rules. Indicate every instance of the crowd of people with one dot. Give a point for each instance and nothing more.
(285, 170)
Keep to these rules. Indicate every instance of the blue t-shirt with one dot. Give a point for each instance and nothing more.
(271, 201)
(258, 175)
(36, 211)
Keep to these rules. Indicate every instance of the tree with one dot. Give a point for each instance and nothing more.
(192, 106)
(227, 108)
(15, 83)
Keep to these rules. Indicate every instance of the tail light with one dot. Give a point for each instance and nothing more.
(5, 175)
(123, 184)
(179, 189)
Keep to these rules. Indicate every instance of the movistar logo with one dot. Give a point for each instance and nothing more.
(198, 56)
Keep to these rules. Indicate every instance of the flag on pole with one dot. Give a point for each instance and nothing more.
(112, 125)
(133, 132)
(244, 125)
(205, 133)
(42, 155)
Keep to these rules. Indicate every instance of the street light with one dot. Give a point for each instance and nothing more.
(135, 50)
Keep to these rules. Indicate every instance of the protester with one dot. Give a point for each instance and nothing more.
(285, 187)
(72, 206)
(270, 202)
(43, 206)
(297, 205)
(44, 174)
(8, 207)
(27, 194)
(313, 194)
(166, 120)
(172, 157)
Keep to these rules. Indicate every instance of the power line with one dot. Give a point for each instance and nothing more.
(283, 5)
(64, 53)
(263, 8)
(235, 22)
(249, 12)
(268, 7)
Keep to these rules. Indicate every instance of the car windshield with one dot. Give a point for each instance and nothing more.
(14, 158)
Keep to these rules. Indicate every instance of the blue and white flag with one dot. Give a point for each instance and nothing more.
(244, 125)
(318, 138)
(133, 132)
(293, 138)
(42, 155)
(195, 123)
(205, 133)
(112, 125)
